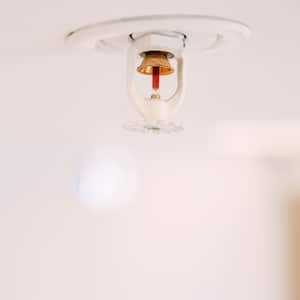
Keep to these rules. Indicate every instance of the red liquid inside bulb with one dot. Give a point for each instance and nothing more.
(155, 78)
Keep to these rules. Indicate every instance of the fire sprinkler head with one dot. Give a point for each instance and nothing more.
(157, 39)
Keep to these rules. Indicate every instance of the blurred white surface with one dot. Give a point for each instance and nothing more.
(108, 178)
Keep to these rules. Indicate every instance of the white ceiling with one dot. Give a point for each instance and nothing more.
(202, 227)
